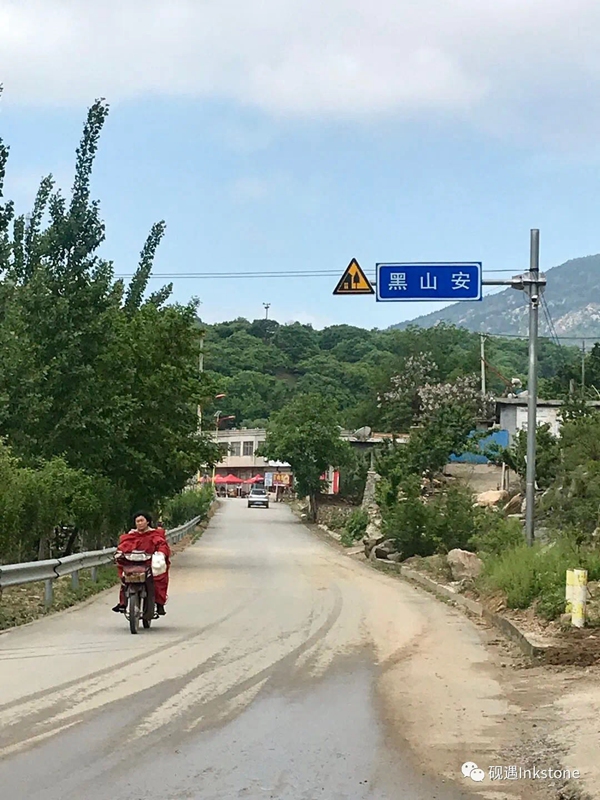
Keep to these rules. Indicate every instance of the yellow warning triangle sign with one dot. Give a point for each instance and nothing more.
(354, 281)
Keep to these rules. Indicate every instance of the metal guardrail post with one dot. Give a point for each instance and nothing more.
(75, 579)
(48, 593)
(94, 574)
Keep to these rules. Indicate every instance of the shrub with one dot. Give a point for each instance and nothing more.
(495, 534)
(576, 503)
(37, 501)
(187, 505)
(353, 476)
(455, 521)
(355, 527)
(410, 522)
(547, 456)
(447, 521)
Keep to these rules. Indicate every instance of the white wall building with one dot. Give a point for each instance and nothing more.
(241, 459)
(512, 413)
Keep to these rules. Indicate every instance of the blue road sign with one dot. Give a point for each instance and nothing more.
(397, 283)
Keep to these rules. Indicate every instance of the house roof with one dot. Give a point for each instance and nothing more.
(523, 399)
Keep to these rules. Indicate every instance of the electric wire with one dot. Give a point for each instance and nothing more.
(316, 273)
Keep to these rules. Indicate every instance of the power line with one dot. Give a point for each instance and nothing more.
(559, 336)
(548, 316)
(265, 274)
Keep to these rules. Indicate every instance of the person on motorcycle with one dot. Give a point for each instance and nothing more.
(150, 540)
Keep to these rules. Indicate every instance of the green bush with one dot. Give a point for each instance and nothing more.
(495, 534)
(547, 456)
(353, 476)
(574, 502)
(454, 521)
(37, 501)
(355, 527)
(187, 505)
(410, 522)
(446, 521)
(536, 575)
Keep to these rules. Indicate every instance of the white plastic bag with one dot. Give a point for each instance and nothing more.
(159, 564)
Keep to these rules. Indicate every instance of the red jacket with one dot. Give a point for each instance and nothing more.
(151, 541)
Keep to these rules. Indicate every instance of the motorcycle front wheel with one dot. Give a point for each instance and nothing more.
(134, 612)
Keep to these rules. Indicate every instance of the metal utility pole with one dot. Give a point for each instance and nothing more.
(532, 285)
(217, 420)
(267, 306)
(583, 369)
(200, 371)
(483, 386)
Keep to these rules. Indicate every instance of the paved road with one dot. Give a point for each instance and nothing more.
(283, 670)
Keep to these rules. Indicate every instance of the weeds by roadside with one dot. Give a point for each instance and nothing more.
(22, 604)
(535, 576)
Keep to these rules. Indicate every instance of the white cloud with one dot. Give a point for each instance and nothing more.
(521, 65)
(253, 188)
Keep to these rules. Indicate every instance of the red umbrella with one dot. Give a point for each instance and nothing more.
(255, 479)
(232, 479)
(220, 479)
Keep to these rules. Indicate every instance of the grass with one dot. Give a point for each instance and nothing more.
(535, 576)
(22, 604)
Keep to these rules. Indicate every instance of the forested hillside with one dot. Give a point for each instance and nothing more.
(572, 297)
(261, 365)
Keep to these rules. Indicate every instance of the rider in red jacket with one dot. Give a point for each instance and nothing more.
(149, 540)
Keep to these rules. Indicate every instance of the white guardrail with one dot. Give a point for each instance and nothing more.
(49, 571)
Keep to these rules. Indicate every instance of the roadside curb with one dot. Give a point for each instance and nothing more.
(503, 625)
(447, 595)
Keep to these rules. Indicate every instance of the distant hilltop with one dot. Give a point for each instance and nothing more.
(572, 295)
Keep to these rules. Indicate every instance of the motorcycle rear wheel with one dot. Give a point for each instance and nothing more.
(134, 612)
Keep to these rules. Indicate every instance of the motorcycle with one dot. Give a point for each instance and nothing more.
(138, 587)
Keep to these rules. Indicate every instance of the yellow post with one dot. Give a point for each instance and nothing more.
(579, 598)
(569, 591)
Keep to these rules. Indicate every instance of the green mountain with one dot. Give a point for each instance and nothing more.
(572, 298)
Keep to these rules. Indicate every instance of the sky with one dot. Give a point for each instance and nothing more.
(292, 135)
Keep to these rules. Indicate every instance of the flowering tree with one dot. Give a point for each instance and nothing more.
(414, 396)
(463, 391)
(400, 403)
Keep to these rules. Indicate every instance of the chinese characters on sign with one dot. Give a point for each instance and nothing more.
(409, 282)
(398, 281)
(461, 280)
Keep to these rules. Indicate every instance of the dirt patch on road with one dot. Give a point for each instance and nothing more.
(579, 648)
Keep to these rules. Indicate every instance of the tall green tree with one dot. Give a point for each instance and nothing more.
(90, 370)
(306, 435)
